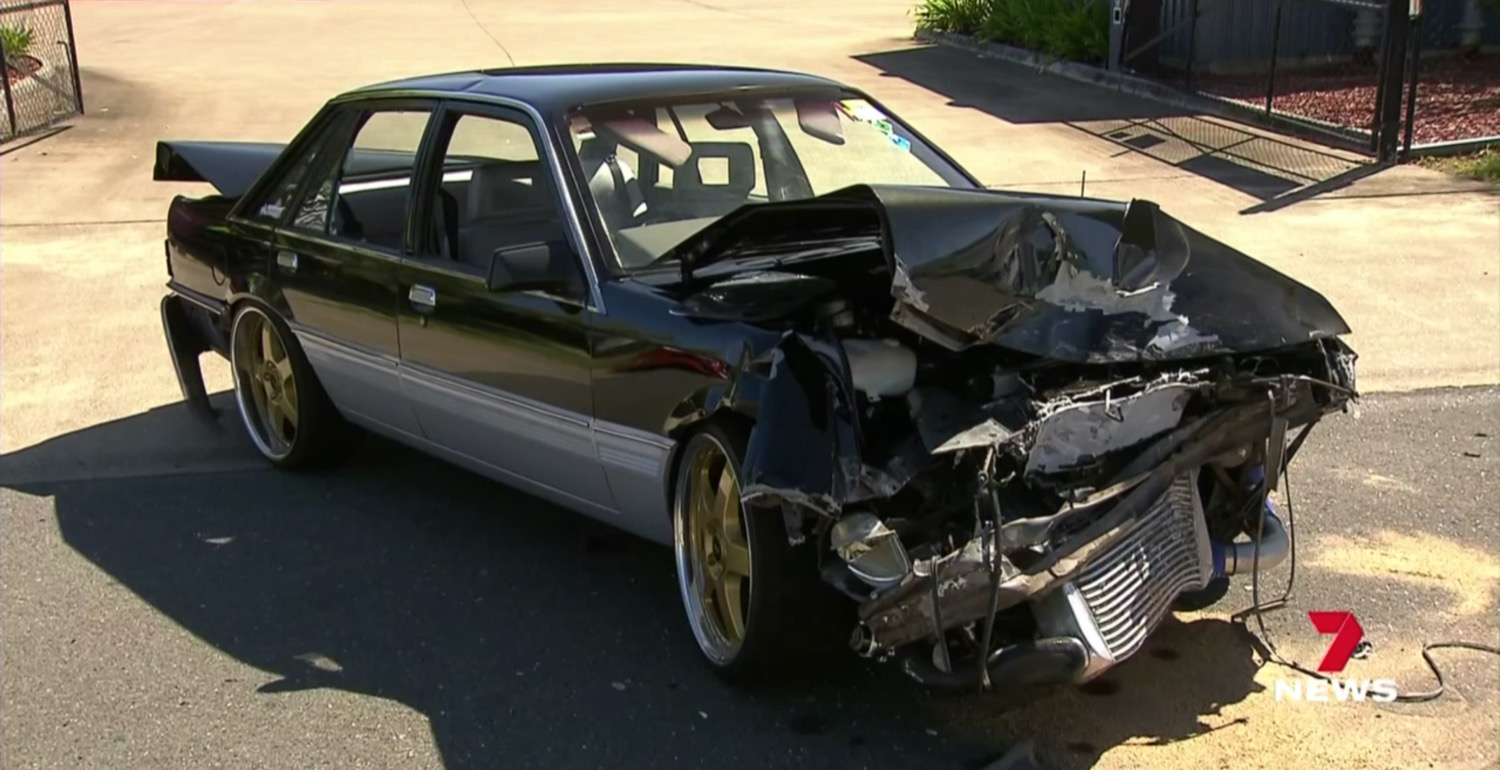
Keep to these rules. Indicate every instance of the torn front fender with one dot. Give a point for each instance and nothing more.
(804, 448)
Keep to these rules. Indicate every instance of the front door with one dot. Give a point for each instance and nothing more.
(338, 256)
(498, 378)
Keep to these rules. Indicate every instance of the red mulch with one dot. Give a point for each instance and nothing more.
(1456, 98)
(28, 66)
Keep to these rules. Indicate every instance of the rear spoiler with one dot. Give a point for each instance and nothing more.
(231, 167)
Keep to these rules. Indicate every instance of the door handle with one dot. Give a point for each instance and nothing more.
(287, 259)
(422, 297)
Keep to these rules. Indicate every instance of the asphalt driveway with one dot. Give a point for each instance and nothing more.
(402, 613)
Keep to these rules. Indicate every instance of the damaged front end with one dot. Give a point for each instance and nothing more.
(1054, 419)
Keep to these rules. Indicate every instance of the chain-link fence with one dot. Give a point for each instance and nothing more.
(1309, 65)
(1340, 71)
(41, 66)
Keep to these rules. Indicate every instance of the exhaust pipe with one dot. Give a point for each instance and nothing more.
(1240, 558)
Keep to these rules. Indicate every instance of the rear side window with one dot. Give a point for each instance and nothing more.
(362, 196)
(393, 131)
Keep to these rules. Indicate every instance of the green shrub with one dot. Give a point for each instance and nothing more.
(16, 40)
(1486, 166)
(1077, 30)
(1483, 165)
(962, 16)
(1068, 29)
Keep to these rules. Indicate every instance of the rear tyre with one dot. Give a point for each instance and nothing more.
(286, 413)
(753, 601)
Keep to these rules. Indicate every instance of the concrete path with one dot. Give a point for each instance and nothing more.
(144, 655)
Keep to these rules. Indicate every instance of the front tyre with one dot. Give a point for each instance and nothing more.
(749, 594)
(287, 415)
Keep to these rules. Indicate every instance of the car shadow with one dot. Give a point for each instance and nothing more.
(528, 635)
(1277, 173)
(1174, 690)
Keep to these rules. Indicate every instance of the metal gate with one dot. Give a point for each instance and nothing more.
(1332, 70)
(41, 66)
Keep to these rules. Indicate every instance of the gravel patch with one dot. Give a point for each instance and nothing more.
(1456, 98)
(23, 68)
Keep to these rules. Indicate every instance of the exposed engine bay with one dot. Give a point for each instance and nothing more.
(1019, 434)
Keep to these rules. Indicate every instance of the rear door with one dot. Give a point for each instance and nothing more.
(338, 255)
(499, 378)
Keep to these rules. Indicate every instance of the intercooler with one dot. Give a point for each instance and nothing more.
(1124, 593)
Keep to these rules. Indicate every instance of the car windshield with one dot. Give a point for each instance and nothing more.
(659, 172)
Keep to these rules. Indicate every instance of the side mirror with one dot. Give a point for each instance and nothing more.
(550, 266)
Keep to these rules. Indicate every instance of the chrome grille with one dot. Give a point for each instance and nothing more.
(1130, 587)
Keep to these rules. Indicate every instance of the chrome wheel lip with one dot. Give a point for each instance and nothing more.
(711, 640)
(256, 424)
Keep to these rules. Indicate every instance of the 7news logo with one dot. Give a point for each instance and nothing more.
(1347, 634)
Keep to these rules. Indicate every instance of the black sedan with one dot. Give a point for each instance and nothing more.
(754, 315)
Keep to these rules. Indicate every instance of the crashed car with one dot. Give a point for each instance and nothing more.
(753, 315)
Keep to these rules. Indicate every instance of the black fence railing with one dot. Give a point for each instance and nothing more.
(41, 66)
(1340, 71)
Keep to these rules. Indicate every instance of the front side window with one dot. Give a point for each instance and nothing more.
(362, 195)
(660, 172)
(495, 193)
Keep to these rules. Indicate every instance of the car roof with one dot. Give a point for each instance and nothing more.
(557, 88)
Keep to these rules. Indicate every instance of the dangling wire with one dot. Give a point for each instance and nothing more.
(1258, 610)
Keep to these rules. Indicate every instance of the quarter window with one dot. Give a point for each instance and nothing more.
(363, 196)
(284, 191)
(275, 205)
(313, 213)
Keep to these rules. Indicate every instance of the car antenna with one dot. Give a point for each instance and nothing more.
(1083, 183)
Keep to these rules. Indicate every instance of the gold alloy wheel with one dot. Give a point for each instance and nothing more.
(713, 549)
(265, 384)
